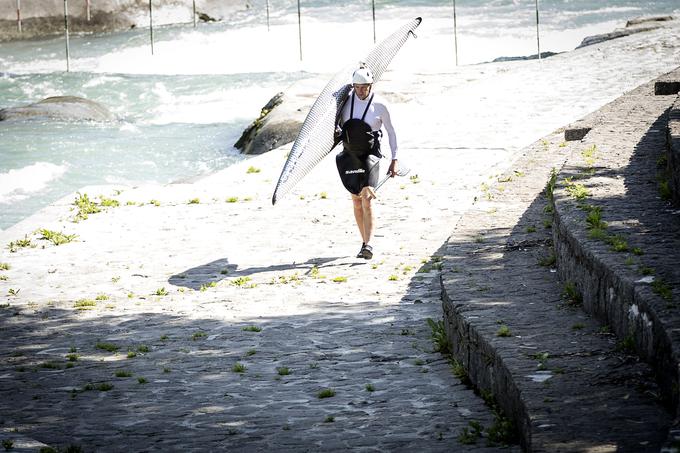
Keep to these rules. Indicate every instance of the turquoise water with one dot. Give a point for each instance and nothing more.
(180, 110)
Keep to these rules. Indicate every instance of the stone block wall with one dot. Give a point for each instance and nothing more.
(673, 131)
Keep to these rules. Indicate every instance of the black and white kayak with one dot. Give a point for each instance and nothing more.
(316, 137)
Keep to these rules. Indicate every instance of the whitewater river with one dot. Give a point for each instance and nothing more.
(181, 109)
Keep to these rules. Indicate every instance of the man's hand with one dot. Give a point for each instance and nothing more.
(394, 168)
(368, 193)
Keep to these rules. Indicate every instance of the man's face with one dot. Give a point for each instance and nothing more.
(362, 90)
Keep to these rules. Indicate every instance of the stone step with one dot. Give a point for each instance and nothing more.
(571, 382)
(626, 270)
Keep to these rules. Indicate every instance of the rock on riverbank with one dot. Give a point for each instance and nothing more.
(637, 25)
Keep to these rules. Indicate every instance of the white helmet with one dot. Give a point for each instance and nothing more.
(362, 76)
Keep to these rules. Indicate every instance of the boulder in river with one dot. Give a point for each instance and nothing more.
(64, 108)
(279, 122)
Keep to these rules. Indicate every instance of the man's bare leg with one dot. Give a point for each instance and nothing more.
(359, 215)
(367, 214)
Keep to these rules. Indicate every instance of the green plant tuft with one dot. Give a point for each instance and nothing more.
(598, 234)
(471, 433)
(576, 190)
(198, 335)
(240, 281)
(56, 237)
(85, 207)
(110, 347)
(571, 294)
(460, 372)
(626, 345)
(547, 261)
(326, 393)
(204, 287)
(84, 304)
(503, 331)
(594, 219)
(665, 190)
(439, 336)
(550, 187)
(20, 243)
(662, 289)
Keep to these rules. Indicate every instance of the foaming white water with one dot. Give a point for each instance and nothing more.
(183, 108)
(19, 184)
(208, 108)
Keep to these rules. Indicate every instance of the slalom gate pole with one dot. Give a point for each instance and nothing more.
(151, 24)
(538, 36)
(68, 51)
(373, 9)
(455, 32)
(19, 15)
(299, 28)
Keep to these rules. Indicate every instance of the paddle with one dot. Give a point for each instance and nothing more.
(401, 172)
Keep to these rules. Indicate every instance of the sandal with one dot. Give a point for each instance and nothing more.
(361, 252)
(367, 252)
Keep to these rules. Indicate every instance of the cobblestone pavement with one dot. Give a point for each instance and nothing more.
(133, 336)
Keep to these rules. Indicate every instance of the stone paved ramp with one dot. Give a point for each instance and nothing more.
(226, 267)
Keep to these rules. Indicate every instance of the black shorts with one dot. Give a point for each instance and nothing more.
(355, 173)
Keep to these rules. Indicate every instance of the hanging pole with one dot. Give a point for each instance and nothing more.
(68, 56)
(267, 15)
(300, 28)
(455, 32)
(19, 15)
(151, 24)
(538, 36)
(373, 8)
(194, 1)
(87, 9)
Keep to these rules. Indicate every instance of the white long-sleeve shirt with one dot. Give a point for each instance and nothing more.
(377, 116)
